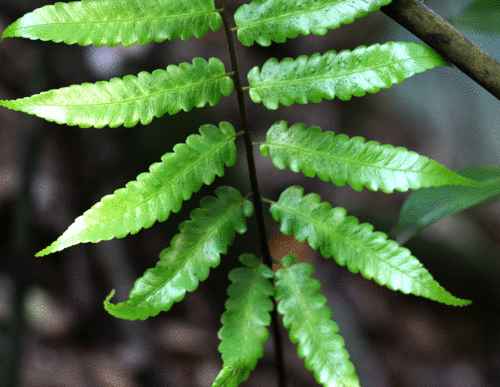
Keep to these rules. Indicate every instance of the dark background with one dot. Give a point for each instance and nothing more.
(50, 174)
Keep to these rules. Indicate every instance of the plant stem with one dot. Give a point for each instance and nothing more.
(447, 41)
(257, 198)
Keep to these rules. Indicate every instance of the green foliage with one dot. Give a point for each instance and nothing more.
(342, 75)
(245, 320)
(116, 22)
(212, 228)
(343, 160)
(132, 99)
(153, 195)
(427, 206)
(266, 21)
(188, 260)
(308, 318)
(355, 245)
(482, 15)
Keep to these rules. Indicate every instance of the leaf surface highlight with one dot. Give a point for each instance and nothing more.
(356, 245)
(342, 75)
(353, 161)
(309, 321)
(155, 193)
(132, 99)
(115, 22)
(267, 21)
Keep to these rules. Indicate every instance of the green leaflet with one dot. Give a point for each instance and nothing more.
(154, 194)
(264, 21)
(352, 160)
(114, 22)
(309, 320)
(356, 245)
(427, 206)
(245, 320)
(131, 99)
(482, 15)
(342, 75)
(189, 258)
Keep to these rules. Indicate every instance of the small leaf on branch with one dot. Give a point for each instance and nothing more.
(481, 15)
(188, 260)
(353, 161)
(132, 99)
(245, 320)
(356, 245)
(342, 75)
(116, 22)
(309, 321)
(157, 192)
(427, 206)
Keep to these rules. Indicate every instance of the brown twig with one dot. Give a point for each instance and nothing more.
(452, 45)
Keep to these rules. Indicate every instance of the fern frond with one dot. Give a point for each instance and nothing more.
(427, 206)
(342, 75)
(264, 21)
(245, 320)
(356, 245)
(116, 22)
(154, 194)
(131, 99)
(309, 320)
(352, 160)
(189, 258)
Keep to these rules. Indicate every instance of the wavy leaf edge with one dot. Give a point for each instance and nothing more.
(193, 251)
(214, 148)
(131, 99)
(352, 160)
(343, 75)
(361, 249)
(111, 23)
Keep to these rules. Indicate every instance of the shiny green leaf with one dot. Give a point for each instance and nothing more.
(309, 320)
(266, 21)
(352, 160)
(155, 193)
(245, 320)
(188, 260)
(356, 245)
(132, 99)
(342, 75)
(114, 22)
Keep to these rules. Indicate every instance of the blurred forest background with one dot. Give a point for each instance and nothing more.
(51, 313)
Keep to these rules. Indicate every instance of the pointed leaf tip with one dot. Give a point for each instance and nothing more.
(245, 321)
(111, 23)
(342, 75)
(156, 193)
(132, 99)
(353, 161)
(45, 251)
(188, 260)
(107, 303)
